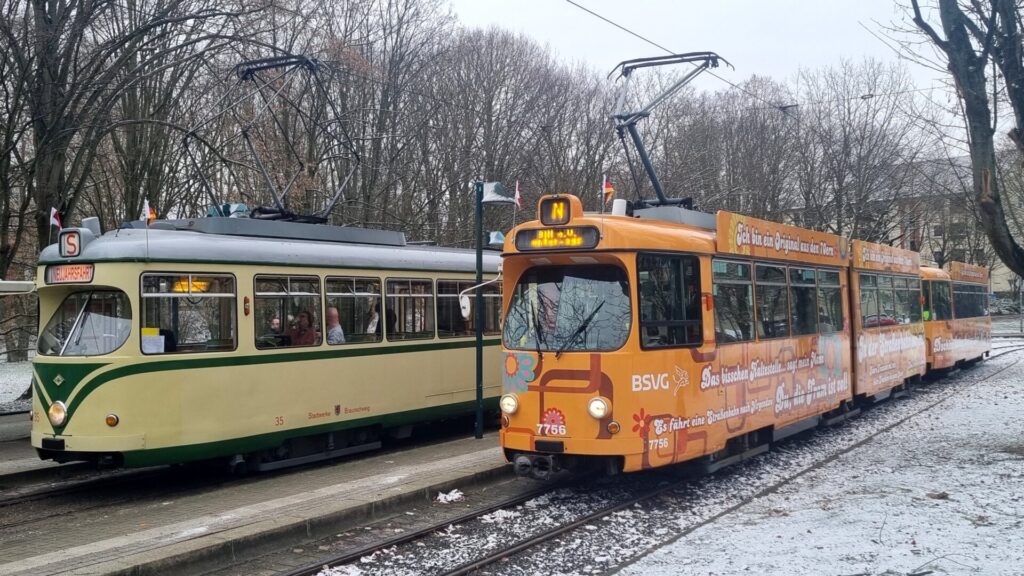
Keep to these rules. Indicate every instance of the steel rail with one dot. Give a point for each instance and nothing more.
(546, 535)
(406, 537)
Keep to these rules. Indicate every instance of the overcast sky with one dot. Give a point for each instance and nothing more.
(765, 37)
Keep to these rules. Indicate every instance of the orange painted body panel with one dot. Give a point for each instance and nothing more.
(677, 404)
(950, 341)
(885, 355)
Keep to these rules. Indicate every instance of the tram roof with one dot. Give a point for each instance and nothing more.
(181, 246)
(932, 273)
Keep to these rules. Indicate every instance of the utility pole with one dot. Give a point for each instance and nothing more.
(478, 306)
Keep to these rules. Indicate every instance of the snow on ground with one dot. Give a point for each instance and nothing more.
(453, 496)
(1006, 325)
(941, 494)
(14, 379)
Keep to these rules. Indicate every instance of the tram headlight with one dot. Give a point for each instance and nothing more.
(509, 404)
(57, 413)
(599, 408)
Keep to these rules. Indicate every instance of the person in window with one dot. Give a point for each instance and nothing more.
(275, 325)
(374, 323)
(304, 333)
(335, 335)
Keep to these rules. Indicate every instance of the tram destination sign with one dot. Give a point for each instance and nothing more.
(576, 237)
(69, 274)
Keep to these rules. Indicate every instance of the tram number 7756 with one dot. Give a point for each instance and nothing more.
(551, 429)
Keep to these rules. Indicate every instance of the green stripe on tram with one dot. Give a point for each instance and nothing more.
(51, 370)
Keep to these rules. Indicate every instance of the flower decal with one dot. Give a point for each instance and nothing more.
(641, 423)
(518, 371)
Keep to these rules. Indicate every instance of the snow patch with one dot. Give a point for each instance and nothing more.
(453, 496)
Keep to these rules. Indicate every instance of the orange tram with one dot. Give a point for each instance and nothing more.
(669, 335)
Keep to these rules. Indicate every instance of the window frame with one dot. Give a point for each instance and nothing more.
(380, 298)
(838, 287)
(785, 289)
(321, 286)
(432, 308)
(235, 296)
(699, 322)
(88, 290)
(749, 283)
(458, 289)
(811, 285)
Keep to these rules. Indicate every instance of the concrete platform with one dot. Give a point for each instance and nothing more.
(19, 458)
(14, 427)
(188, 532)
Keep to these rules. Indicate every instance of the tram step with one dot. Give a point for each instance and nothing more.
(840, 418)
(795, 428)
(288, 462)
(712, 467)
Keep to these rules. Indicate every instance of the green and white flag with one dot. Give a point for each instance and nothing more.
(494, 192)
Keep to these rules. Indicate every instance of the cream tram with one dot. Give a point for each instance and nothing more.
(257, 341)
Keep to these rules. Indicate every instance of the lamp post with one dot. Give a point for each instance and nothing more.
(478, 305)
(489, 192)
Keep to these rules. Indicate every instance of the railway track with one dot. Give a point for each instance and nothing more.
(541, 537)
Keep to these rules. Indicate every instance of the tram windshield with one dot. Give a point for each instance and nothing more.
(570, 308)
(87, 324)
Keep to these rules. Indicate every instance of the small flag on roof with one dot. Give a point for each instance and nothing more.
(607, 189)
(518, 197)
(55, 219)
(148, 214)
(494, 192)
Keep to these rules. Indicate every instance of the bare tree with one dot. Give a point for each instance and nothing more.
(973, 36)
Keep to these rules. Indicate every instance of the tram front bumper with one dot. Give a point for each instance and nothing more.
(515, 441)
(95, 444)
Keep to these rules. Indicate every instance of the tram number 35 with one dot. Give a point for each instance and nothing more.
(278, 420)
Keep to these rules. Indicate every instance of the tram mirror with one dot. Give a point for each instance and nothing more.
(465, 306)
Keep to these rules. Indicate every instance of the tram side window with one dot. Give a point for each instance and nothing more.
(287, 311)
(450, 323)
(942, 308)
(969, 300)
(772, 302)
(188, 313)
(868, 300)
(914, 294)
(356, 302)
(734, 301)
(413, 303)
(803, 301)
(830, 302)
(886, 302)
(908, 300)
(669, 300)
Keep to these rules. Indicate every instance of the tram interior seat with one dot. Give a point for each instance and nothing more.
(170, 340)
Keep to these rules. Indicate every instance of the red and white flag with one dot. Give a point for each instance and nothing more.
(148, 214)
(55, 219)
(518, 197)
(607, 190)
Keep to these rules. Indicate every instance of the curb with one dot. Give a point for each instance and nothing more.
(251, 541)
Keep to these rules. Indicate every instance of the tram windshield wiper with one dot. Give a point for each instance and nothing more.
(579, 330)
(538, 337)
